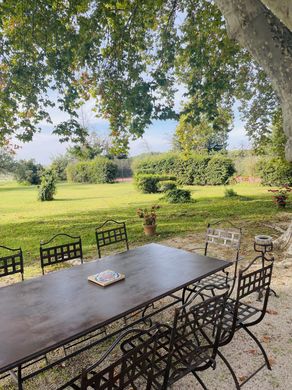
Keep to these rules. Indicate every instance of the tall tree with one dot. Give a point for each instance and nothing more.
(127, 55)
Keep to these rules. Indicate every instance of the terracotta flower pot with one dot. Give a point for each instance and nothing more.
(149, 230)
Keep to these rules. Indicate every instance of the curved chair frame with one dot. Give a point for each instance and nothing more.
(110, 236)
(11, 264)
(59, 253)
(240, 315)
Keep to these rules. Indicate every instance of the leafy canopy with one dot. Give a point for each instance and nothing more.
(127, 55)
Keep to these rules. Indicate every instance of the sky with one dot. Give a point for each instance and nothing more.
(157, 138)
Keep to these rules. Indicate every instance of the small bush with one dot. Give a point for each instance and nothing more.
(148, 184)
(230, 193)
(99, 170)
(219, 170)
(47, 189)
(178, 196)
(166, 185)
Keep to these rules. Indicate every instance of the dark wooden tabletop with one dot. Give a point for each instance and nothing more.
(42, 313)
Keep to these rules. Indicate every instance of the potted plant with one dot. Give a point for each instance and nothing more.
(281, 195)
(149, 216)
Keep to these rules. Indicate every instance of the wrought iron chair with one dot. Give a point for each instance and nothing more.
(110, 236)
(240, 314)
(51, 255)
(194, 338)
(12, 262)
(142, 367)
(228, 237)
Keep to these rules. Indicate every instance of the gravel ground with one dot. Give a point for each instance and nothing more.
(275, 332)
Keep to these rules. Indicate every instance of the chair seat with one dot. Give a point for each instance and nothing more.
(245, 312)
(218, 280)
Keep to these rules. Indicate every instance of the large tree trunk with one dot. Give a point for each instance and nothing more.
(282, 9)
(269, 41)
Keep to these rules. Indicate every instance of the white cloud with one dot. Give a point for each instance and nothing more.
(42, 148)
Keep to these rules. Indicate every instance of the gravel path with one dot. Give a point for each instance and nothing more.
(275, 331)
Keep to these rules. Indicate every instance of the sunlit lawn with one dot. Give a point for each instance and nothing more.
(79, 208)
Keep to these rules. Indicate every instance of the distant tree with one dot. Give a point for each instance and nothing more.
(7, 162)
(28, 171)
(204, 137)
(47, 189)
(59, 165)
(92, 147)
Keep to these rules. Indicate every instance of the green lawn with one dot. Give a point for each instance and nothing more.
(78, 208)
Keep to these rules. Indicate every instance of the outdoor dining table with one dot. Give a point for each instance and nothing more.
(44, 313)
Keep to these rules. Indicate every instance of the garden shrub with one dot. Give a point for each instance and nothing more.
(230, 193)
(47, 189)
(166, 185)
(219, 170)
(196, 170)
(99, 170)
(148, 183)
(192, 171)
(275, 171)
(178, 196)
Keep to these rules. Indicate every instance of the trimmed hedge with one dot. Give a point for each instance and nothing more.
(148, 184)
(99, 170)
(275, 171)
(219, 170)
(196, 170)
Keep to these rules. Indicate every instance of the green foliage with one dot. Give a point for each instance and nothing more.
(59, 165)
(99, 170)
(158, 164)
(275, 171)
(178, 196)
(7, 162)
(28, 172)
(230, 193)
(245, 162)
(202, 137)
(219, 170)
(168, 41)
(196, 170)
(192, 171)
(47, 188)
(90, 148)
(148, 183)
(166, 185)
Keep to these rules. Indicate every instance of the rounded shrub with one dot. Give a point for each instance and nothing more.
(178, 196)
(148, 184)
(230, 193)
(219, 170)
(166, 185)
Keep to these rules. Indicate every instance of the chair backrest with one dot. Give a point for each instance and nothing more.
(196, 332)
(12, 262)
(107, 236)
(224, 233)
(142, 364)
(62, 252)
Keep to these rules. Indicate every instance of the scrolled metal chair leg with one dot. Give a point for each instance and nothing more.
(226, 362)
(259, 345)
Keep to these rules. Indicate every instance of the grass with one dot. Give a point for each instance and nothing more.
(79, 208)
